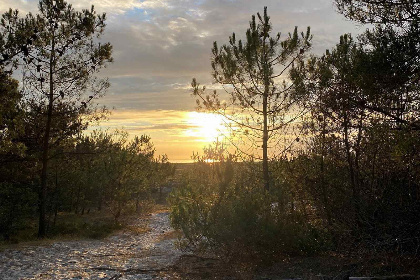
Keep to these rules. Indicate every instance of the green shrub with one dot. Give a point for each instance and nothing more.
(16, 202)
(223, 207)
(87, 226)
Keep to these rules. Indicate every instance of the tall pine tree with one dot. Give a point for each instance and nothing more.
(253, 73)
(59, 59)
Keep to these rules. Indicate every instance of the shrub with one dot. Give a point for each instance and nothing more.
(16, 202)
(223, 207)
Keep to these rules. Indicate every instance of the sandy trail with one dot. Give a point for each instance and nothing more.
(126, 255)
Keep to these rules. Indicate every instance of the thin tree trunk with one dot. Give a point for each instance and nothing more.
(355, 191)
(55, 213)
(78, 201)
(323, 182)
(45, 148)
(266, 174)
(265, 145)
(138, 203)
(100, 201)
(55, 200)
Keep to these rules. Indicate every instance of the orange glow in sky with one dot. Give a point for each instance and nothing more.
(206, 127)
(175, 133)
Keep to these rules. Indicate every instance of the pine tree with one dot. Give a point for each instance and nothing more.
(253, 73)
(59, 53)
(393, 46)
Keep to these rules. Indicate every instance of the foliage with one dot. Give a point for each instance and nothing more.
(57, 52)
(16, 204)
(389, 78)
(109, 170)
(395, 12)
(221, 207)
(17, 199)
(43, 120)
(93, 226)
(100, 173)
(253, 75)
(353, 185)
(11, 117)
(364, 126)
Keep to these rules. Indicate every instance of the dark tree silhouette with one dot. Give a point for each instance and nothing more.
(253, 75)
(59, 58)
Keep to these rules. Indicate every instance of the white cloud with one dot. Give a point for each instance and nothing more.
(179, 24)
(23, 6)
(154, 4)
(116, 7)
(111, 7)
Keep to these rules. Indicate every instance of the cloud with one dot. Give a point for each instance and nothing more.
(170, 130)
(121, 6)
(23, 6)
(160, 45)
(167, 126)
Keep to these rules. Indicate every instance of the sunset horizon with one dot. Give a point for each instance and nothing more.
(160, 46)
(210, 139)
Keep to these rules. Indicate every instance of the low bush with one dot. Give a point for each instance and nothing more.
(223, 207)
(95, 226)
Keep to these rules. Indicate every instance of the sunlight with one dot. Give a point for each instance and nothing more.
(206, 126)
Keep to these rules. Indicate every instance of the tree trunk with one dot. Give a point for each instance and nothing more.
(78, 200)
(265, 146)
(355, 189)
(138, 203)
(100, 201)
(266, 174)
(45, 148)
(322, 181)
(55, 213)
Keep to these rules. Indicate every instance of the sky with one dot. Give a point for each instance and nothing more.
(160, 45)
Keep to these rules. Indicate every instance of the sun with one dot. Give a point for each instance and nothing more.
(206, 127)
